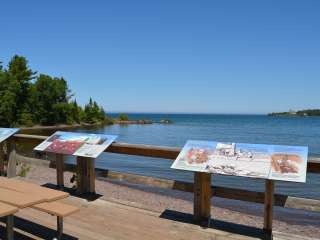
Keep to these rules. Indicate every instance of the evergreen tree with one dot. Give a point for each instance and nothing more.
(45, 101)
(7, 100)
(19, 78)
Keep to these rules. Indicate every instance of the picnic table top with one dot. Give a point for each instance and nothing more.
(6, 209)
(32, 189)
(18, 199)
(23, 194)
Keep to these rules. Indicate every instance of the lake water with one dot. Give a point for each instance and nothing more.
(228, 128)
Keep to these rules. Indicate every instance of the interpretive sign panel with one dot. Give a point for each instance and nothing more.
(77, 144)
(275, 162)
(7, 132)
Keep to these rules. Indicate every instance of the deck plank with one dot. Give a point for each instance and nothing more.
(105, 220)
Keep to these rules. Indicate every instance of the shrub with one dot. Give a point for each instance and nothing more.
(123, 117)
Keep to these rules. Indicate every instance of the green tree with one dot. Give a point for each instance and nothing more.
(19, 77)
(123, 117)
(45, 100)
(7, 100)
(94, 113)
(50, 100)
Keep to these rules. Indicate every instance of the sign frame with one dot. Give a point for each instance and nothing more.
(271, 162)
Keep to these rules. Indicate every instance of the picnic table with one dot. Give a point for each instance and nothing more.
(16, 194)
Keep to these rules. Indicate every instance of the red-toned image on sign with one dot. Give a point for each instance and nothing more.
(64, 147)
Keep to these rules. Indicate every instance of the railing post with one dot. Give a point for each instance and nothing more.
(202, 197)
(11, 156)
(2, 156)
(268, 207)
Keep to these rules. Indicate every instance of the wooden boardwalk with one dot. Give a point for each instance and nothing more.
(100, 219)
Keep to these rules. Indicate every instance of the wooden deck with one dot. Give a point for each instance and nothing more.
(100, 219)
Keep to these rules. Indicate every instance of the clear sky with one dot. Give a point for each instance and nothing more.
(173, 56)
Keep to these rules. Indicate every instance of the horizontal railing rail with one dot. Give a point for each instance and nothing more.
(168, 153)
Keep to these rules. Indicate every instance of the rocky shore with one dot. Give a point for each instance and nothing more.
(142, 121)
(157, 199)
(87, 125)
(59, 126)
(133, 122)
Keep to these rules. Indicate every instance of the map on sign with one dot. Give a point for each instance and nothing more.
(7, 132)
(286, 163)
(77, 144)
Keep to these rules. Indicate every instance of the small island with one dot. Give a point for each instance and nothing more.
(124, 119)
(301, 113)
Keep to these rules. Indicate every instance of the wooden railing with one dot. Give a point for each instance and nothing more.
(201, 181)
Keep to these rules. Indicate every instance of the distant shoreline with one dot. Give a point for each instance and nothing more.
(87, 125)
(61, 126)
(300, 113)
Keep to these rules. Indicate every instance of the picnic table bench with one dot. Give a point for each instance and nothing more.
(58, 209)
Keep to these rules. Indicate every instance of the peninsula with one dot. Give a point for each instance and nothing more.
(301, 113)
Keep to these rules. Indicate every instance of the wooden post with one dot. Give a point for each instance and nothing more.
(9, 226)
(2, 156)
(60, 170)
(85, 175)
(202, 197)
(59, 227)
(268, 207)
(12, 160)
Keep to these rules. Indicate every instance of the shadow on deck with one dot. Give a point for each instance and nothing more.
(27, 230)
(216, 224)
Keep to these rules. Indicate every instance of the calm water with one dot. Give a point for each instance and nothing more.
(230, 128)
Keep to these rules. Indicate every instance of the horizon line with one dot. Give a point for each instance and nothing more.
(199, 113)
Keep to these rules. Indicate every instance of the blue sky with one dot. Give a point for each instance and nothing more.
(173, 56)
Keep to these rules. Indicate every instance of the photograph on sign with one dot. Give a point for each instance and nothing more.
(77, 144)
(289, 162)
(5, 133)
(194, 156)
(248, 160)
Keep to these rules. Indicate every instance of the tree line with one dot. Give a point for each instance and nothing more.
(309, 112)
(301, 113)
(28, 98)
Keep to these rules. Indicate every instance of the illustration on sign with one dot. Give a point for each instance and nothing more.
(7, 132)
(287, 163)
(77, 144)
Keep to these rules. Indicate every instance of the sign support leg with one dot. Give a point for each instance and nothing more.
(85, 175)
(60, 170)
(268, 207)
(202, 198)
